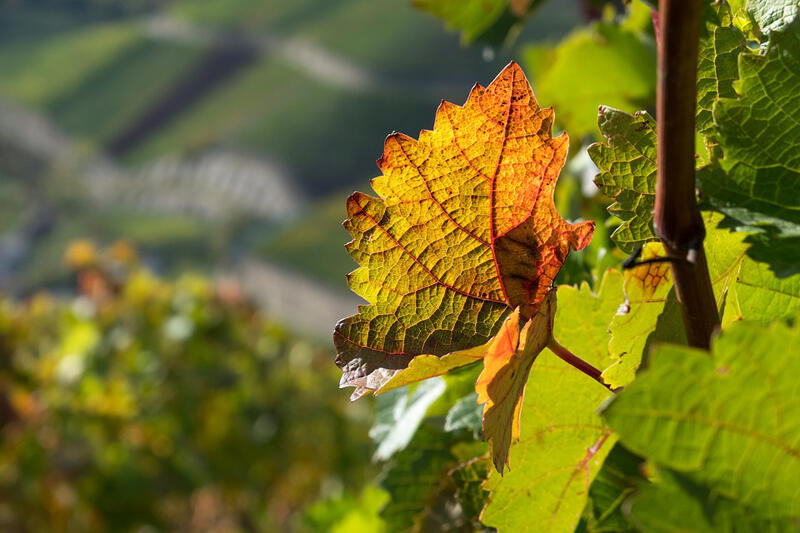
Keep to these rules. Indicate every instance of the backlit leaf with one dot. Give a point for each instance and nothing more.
(607, 63)
(648, 300)
(464, 230)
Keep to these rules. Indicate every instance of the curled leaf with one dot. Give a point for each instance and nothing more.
(501, 385)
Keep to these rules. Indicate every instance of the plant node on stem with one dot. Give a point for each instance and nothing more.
(677, 219)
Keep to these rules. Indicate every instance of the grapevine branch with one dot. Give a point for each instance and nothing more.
(677, 219)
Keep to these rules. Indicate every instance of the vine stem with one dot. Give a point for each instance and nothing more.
(577, 362)
(677, 219)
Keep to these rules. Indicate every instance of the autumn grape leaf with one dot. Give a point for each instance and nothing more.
(501, 385)
(627, 163)
(464, 230)
(727, 422)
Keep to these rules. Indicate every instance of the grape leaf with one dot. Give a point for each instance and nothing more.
(501, 385)
(464, 230)
(562, 445)
(563, 441)
(616, 480)
(773, 15)
(604, 64)
(727, 422)
(627, 163)
(490, 21)
(746, 288)
(717, 70)
(648, 293)
(674, 503)
(757, 182)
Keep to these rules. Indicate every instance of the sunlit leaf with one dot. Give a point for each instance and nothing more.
(727, 421)
(773, 15)
(648, 300)
(464, 230)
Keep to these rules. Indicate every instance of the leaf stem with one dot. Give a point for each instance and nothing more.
(677, 219)
(577, 362)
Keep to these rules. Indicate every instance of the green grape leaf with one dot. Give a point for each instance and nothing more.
(414, 475)
(488, 21)
(616, 481)
(674, 503)
(773, 15)
(757, 182)
(649, 314)
(717, 69)
(746, 288)
(563, 441)
(728, 421)
(605, 64)
(627, 163)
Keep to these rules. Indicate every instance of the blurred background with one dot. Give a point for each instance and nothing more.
(172, 184)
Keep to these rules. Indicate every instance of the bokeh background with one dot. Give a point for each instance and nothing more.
(172, 184)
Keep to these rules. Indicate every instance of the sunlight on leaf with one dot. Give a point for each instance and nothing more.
(464, 230)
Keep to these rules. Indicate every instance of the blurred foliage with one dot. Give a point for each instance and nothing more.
(172, 405)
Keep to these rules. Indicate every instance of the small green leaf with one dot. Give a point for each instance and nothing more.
(627, 163)
(728, 422)
(604, 64)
